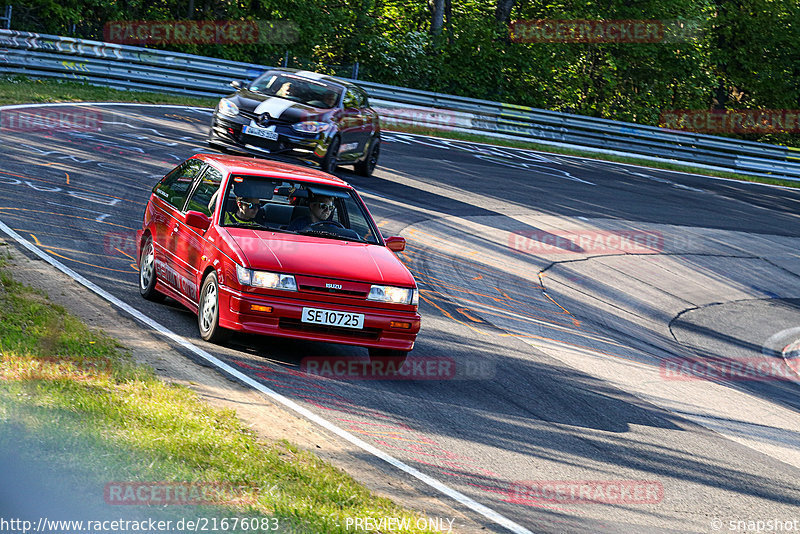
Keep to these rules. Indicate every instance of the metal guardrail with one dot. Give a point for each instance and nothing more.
(129, 67)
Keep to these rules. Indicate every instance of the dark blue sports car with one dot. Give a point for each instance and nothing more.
(302, 116)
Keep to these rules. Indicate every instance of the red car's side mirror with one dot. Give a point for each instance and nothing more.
(198, 220)
(396, 243)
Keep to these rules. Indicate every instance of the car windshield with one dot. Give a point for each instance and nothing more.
(296, 207)
(315, 93)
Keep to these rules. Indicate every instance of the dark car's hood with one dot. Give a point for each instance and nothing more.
(324, 258)
(279, 108)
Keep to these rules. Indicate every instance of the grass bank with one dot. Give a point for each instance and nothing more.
(19, 91)
(24, 91)
(71, 399)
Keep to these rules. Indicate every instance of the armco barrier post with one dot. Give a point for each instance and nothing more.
(6, 18)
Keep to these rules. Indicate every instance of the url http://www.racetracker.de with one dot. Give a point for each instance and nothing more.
(199, 524)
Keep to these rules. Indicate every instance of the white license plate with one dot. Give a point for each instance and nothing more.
(333, 318)
(272, 135)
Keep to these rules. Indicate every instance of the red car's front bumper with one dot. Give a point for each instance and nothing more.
(237, 313)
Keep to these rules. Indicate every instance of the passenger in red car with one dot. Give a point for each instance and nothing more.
(248, 211)
(320, 209)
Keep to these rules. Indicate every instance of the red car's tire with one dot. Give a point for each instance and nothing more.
(147, 272)
(208, 311)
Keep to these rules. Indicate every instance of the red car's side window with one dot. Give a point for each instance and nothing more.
(175, 186)
(201, 199)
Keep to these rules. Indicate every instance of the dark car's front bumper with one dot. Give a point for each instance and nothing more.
(291, 145)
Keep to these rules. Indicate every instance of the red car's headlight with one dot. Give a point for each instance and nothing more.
(395, 295)
(250, 277)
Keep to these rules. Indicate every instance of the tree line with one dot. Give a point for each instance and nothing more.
(741, 54)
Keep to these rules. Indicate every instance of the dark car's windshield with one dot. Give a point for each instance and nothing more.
(298, 207)
(316, 93)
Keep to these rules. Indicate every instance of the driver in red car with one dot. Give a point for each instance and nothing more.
(320, 209)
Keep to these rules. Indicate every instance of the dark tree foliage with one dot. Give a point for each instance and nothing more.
(740, 53)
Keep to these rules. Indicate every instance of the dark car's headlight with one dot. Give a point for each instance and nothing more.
(228, 108)
(250, 277)
(395, 295)
(311, 126)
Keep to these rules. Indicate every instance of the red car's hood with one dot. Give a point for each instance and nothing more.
(325, 258)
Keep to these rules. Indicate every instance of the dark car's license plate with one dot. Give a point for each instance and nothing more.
(264, 133)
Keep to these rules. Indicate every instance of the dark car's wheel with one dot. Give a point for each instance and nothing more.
(330, 161)
(208, 312)
(215, 146)
(365, 168)
(147, 272)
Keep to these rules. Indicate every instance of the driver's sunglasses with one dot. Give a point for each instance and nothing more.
(325, 206)
(250, 205)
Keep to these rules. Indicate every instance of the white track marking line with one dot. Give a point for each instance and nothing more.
(139, 316)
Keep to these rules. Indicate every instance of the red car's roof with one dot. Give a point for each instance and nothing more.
(275, 169)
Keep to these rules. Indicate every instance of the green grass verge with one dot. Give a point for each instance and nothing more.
(24, 91)
(96, 415)
(20, 91)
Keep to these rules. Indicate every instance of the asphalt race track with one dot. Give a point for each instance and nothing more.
(574, 310)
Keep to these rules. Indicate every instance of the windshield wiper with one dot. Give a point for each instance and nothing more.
(281, 230)
(254, 226)
(322, 233)
(257, 226)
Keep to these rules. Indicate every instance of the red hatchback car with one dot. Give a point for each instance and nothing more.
(272, 248)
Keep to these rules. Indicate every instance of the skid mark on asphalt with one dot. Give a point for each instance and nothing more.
(449, 316)
(433, 274)
(38, 216)
(82, 257)
(431, 267)
(482, 306)
(75, 191)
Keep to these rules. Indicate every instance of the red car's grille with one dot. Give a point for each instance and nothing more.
(344, 292)
(295, 324)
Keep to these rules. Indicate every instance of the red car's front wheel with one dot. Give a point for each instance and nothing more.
(147, 272)
(208, 312)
